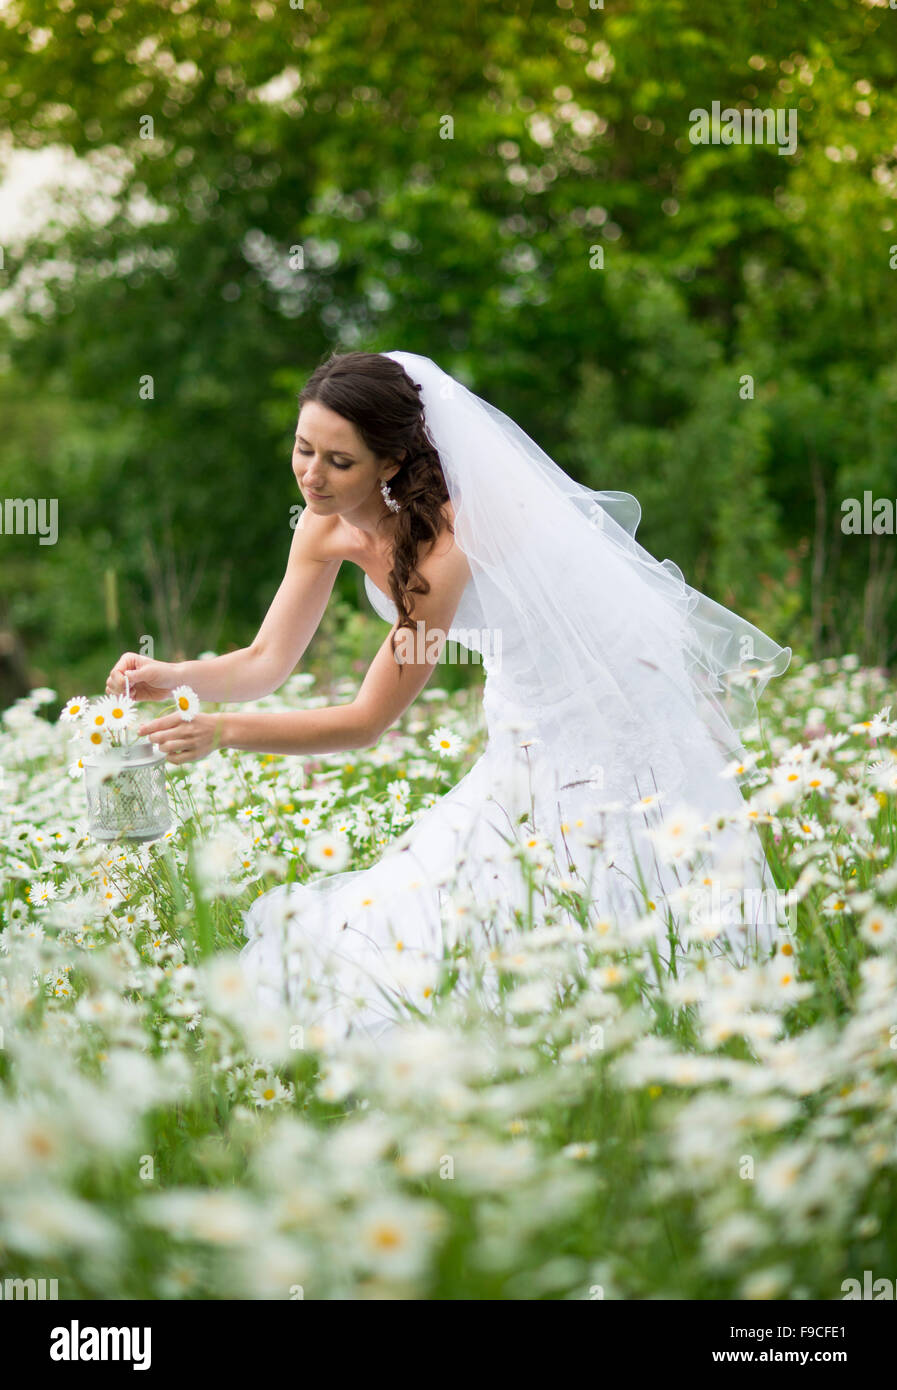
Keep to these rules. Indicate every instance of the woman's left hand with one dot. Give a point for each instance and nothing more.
(185, 740)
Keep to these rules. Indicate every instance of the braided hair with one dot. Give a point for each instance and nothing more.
(377, 396)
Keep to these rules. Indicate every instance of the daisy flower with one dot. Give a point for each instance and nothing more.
(878, 927)
(97, 720)
(885, 777)
(327, 851)
(268, 1089)
(42, 695)
(393, 1235)
(38, 894)
(399, 791)
(95, 732)
(76, 709)
(807, 829)
(787, 782)
(819, 779)
(186, 701)
(876, 727)
(740, 767)
(118, 712)
(444, 742)
(679, 835)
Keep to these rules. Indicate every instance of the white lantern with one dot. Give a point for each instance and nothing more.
(126, 794)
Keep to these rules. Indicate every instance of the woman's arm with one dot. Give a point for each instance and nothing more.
(384, 695)
(327, 730)
(256, 670)
(239, 675)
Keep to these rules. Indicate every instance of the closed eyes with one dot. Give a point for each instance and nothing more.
(306, 453)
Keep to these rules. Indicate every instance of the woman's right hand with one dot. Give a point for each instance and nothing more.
(147, 680)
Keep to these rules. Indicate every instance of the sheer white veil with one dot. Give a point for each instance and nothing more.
(594, 629)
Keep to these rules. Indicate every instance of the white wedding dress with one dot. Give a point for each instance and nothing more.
(622, 680)
(341, 950)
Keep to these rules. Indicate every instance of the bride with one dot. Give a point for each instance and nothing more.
(615, 697)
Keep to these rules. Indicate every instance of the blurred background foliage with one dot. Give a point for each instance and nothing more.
(508, 188)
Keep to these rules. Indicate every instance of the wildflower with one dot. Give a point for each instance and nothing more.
(876, 727)
(878, 927)
(268, 1089)
(186, 702)
(444, 742)
(820, 779)
(399, 791)
(781, 974)
(218, 1218)
(118, 710)
(76, 709)
(226, 986)
(329, 851)
(787, 783)
(741, 766)
(338, 1080)
(679, 834)
(393, 1235)
(39, 894)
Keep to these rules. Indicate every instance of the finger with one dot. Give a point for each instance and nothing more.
(164, 722)
(172, 743)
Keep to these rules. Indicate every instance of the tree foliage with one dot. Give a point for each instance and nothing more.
(508, 188)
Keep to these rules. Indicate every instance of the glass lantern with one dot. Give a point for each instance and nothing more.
(126, 794)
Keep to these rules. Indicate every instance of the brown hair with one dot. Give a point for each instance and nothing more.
(377, 396)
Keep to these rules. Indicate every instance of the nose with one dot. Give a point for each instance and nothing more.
(311, 479)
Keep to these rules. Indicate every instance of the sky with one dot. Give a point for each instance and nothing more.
(23, 206)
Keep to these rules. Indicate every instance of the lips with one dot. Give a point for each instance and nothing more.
(318, 496)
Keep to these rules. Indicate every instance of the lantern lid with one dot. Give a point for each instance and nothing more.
(139, 754)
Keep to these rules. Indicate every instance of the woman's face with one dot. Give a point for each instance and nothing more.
(335, 470)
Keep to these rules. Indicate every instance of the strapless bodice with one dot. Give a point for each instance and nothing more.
(466, 628)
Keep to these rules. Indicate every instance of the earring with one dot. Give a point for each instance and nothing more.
(388, 498)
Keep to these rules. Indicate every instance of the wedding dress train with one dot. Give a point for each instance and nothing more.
(342, 950)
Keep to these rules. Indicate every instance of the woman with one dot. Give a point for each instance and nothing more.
(614, 693)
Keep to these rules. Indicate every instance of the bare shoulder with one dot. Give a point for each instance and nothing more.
(445, 565)
(316, 537)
